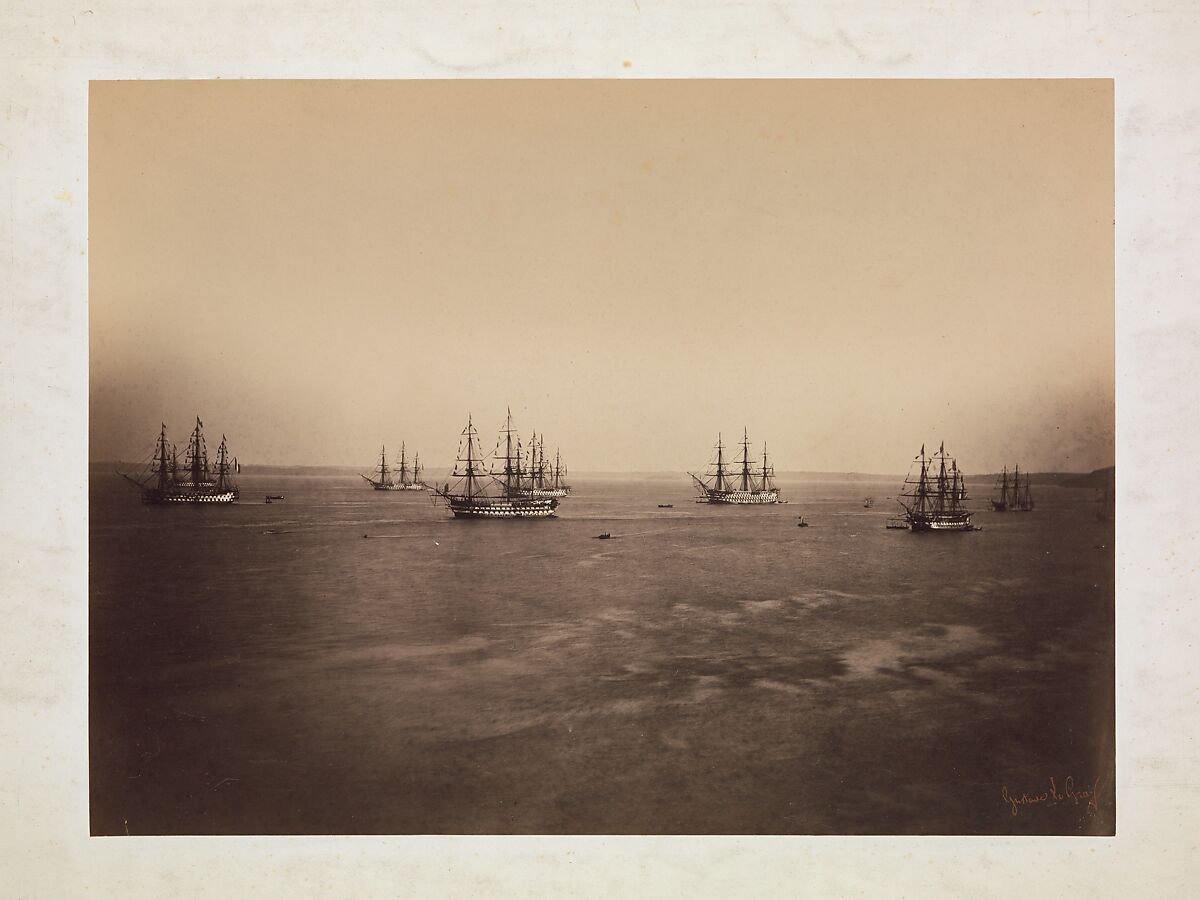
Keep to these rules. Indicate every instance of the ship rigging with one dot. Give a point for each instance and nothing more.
(496, 492)
(1014, 494)
(934, 500)
(734, 484)
(193, 482)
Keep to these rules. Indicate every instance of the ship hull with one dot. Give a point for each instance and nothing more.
(943, 522)
(501, 507)
(412, 487)
(545, 492)
(999, 505)
(740, 498)
(163, 498)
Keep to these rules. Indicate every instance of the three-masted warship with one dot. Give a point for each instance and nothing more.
(539, 478)
(492, 493)
(384, 480)
(1015, 495)
(934, 501)
(409, 478)
(725, 483)
(193, 482)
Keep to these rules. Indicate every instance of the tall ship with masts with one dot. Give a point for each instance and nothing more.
(409, 477)
(196, 481)
(539, 478)
(737, 482)
(383, 480)
(481, 492)
(1014, 493)
(935, 499)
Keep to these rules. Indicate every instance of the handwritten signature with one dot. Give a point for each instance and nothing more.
(1053, 796)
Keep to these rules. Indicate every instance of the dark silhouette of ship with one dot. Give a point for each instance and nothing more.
(195, 481)
(725, 483)
(482, 493)
(1014, 494)
(934, 499)
(537, 478)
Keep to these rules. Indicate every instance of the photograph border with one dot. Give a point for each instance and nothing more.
(53, 50)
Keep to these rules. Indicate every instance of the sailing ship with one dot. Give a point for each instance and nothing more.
(193, 482)
(384, 482)
(1015, 494)
(409, 478)
(483, 493)
(934, 501)
(540, 479)
(729, 483)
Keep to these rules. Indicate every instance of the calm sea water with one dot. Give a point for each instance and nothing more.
(351, 661)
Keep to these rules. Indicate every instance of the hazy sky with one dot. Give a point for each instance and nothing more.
(847, 268)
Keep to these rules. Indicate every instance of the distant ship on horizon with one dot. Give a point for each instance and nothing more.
(538, 479)
(409, 478)
(483, 493)
(193, 482)
(1015, 495)
(737, 485)
(935, 500)
(384, 482)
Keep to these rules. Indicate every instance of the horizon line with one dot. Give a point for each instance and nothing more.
(778, 472)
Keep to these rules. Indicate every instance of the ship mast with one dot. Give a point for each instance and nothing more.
(383, 466)
(766, 470)
(222, 465)
(920, 494)
(199, 459)
(162, 458)
(469, 474)
(720, 482)
(745, 460)
(941, 479)
(512, 474)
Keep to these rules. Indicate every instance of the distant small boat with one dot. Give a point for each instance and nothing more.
(666, 506)
(274, 496)
(802, 523)
(604, 536)
(868, 502)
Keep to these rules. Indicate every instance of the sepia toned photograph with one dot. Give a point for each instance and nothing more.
(570, 457)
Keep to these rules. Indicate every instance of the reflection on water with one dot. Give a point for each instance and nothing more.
(351, 661)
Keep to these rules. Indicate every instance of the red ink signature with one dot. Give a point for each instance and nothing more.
(1053, 796)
